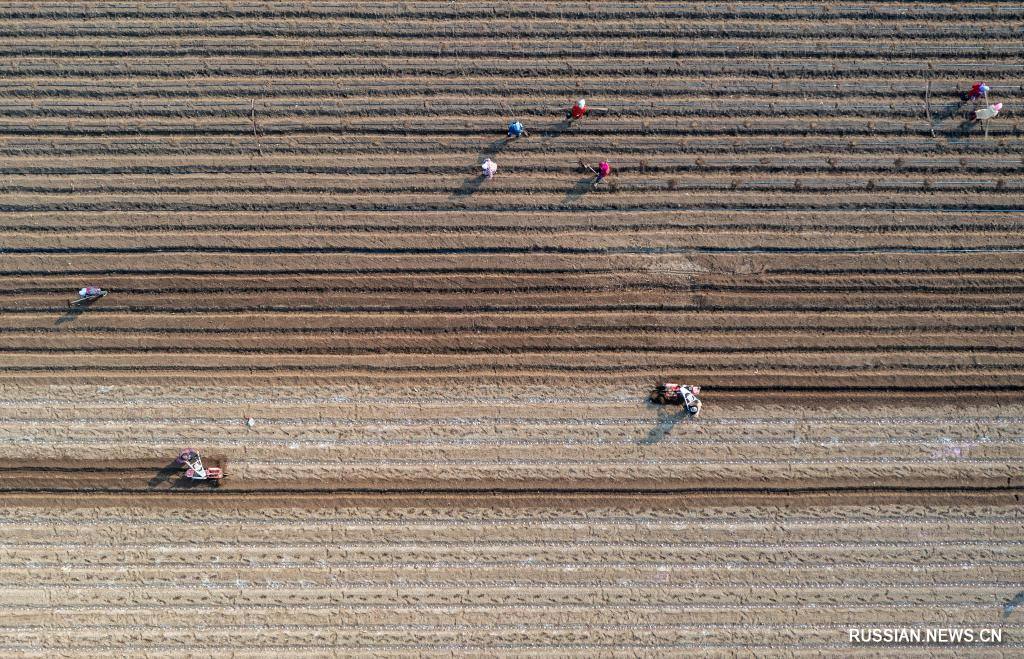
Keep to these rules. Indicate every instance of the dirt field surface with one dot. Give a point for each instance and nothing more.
(283, 200)
(336, 437)
(529, 575)
(289, 193)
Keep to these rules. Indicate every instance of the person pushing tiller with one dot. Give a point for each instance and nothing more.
(86, 295)
(670, 393)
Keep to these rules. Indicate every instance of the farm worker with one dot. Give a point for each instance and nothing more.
(603, 170)
(89, 291)
(576, 111)
(516, 130)
(977, 91)
(986, 113)
(488, 168)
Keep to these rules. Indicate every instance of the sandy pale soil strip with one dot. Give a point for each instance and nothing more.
(550, 575)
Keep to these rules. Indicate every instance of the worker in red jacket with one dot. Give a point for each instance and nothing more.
(978, 90)
(576, 111)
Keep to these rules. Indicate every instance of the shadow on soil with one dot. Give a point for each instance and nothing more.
(948, 110)
(494, 148)
(582, 187)
(167, 473)
(962, 130)
(668, 417)
(74, 312)
(554, 130)
(469, 186)
(1010, 606)
(186, 484)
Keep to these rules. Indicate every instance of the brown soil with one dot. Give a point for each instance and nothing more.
(283, 202)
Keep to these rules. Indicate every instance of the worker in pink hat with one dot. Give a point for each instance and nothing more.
(986, 113)
(488, 168)
(603, 170)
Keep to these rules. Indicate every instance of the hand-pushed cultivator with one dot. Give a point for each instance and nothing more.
(677, 394)
(192, 463)
(87, 295)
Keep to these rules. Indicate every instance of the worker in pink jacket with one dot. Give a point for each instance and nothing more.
(602, 171)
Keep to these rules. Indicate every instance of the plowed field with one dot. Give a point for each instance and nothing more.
(535, 576)
(283, 200)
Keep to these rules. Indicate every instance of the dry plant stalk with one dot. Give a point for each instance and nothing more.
(255, 127)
